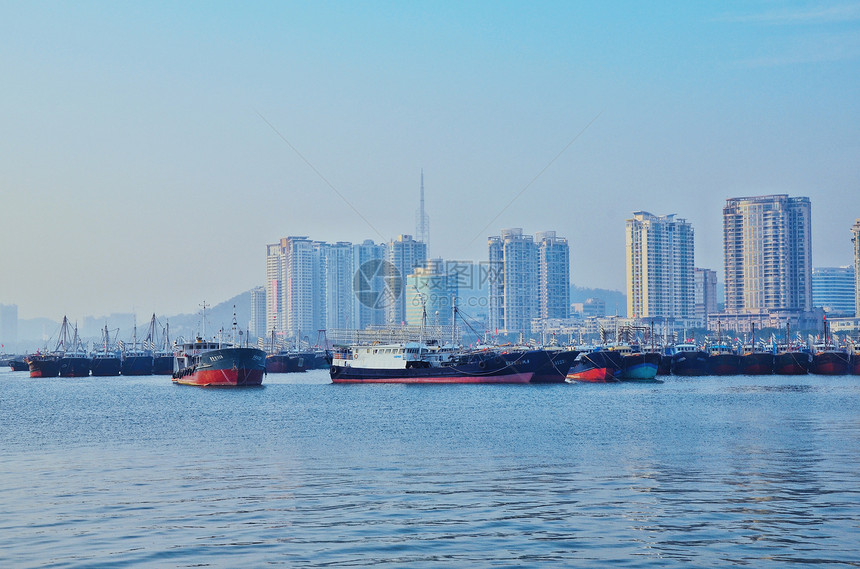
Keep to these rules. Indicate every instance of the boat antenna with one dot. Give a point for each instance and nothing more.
(454, 321)
(234, 324)
(203, 306)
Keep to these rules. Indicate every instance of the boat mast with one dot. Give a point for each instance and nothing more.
(203, 306)
(234, 325)
(454, 322)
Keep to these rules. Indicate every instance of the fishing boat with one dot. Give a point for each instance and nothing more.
(547, 365)
(637, 365)
(722, 359)
(43, 365)
(68, 358)
(18, 364)
(74, 361)
(420, 362)
(136, 359)
(287, 361)
(689, 360)
(558, 364)
(162, 356)
(828, 359)
(218, 364)
(791, 358)
(595, 365)
(855, 359)
(756, 359)
(107, 360)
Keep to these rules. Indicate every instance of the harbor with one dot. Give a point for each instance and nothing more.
(696, 471)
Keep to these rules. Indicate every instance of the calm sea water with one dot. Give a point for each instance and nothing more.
(128, 472)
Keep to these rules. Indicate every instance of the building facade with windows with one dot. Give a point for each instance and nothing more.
(553, 275)
(257, 325)
(855, 239)
(706, 294)
(768, 254)
(660, 269)
(405, 254)
(833, 289)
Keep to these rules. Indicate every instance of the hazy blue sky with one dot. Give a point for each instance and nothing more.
(136, 171)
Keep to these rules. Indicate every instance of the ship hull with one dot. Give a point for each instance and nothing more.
(162, 365)
(545, 366)
(137, 365)
(724, 364)
(475, 368)
(792, 363)
(690, 363)
(855, 363)
(41, 366)
(556, 369)
(596, 367)
(665, 365)
(105, 367)
(831, 363)
(18, 365)
(381, 376)
(74, 367)
(640, 367)
(757, 363)
(225, 367)
(288, 363)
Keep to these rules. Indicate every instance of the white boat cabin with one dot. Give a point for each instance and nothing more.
(393, 356)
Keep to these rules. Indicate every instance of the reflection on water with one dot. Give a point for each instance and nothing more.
(713, 472)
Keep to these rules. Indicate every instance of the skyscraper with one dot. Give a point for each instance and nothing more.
(433, 289)
(660, 270)
(369, 304)
(514, 281)
(405, 254)
(258, 313)
(553, 275)
(339, 270)
(855, 230)
(768, 253)
(833, 289)
(706, 293)
(274, 288)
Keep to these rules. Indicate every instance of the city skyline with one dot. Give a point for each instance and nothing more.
(145, 145)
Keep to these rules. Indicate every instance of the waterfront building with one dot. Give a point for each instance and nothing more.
(591, 308)
(431, 288)
(274, 289)
(855, 238)
(303, 287)
(369, 261)
(553, 275)
(768, 254)
(660, 270)
(706, 293)
(404, 254)
(338, 262)
(514, 281)
(308, 287)
(257, 326)
(833, 289)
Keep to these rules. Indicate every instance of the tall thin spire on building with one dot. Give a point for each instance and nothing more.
(422, 220)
